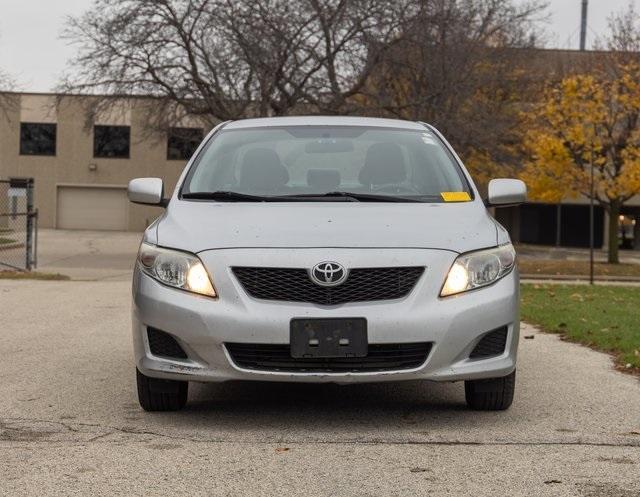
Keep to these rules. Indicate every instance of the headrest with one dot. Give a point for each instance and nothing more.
(384, 164)
(261, 169)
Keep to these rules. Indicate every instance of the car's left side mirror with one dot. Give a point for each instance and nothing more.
(148, 191)
(506, 192)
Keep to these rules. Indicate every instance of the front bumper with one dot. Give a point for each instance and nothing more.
(454, 325)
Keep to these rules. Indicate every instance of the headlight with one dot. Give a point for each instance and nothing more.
(478, 269)
(176, 269)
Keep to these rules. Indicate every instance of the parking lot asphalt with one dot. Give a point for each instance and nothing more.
(70, 423)
(88, 255)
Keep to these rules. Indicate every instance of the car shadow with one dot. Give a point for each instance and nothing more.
(324, 395)
(320, 411)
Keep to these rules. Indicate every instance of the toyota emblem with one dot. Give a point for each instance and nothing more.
(328, 274)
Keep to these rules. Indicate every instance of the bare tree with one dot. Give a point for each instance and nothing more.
(353, 38)
(624, 31)
(171, 50)
(6, 82)
(315, 52)
(7, 100)
(225, 59)
(460, 65)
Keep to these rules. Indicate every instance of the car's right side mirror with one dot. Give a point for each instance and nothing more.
(149, 191)
(506, 192)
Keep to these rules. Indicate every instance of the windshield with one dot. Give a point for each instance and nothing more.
(316, 161)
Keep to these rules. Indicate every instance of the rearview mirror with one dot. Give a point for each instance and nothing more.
(505, 192)
(149, 191)
(328, 146)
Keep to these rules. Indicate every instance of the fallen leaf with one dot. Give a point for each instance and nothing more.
(529, 337)
(418, 470)
(282, 449)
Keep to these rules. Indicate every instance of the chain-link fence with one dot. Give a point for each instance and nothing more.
(18, 225)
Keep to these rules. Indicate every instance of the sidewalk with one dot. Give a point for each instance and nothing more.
(572, 280)
(572, 254)
(88, 255)
(562, 264)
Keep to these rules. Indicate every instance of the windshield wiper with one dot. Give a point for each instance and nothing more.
(338, 196)
(226, 195)
(355, 197)
(231, 196)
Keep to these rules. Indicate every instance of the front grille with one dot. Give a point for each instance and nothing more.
(492, 344)
(381, 357)
(163, 344)
(362, 285)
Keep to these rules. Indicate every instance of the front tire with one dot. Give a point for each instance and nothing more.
(492, 394)
(155, 394)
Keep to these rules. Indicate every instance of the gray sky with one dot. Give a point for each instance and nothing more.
(30, 48)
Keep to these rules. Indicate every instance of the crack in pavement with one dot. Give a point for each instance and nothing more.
(10, 433)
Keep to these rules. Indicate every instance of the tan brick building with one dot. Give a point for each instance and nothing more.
(81, 172)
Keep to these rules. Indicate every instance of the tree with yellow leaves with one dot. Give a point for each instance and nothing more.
(586, 121)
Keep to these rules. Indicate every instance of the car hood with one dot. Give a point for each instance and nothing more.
(198, 226)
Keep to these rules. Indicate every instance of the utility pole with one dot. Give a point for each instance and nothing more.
(583, 26)
(591, 230)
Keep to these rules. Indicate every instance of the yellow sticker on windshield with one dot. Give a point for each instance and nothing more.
(455, 196)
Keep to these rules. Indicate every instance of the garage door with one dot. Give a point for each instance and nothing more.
(92, 208)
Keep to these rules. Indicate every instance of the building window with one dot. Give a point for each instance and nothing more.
(182, 142)
(111, 142)
(37, 139)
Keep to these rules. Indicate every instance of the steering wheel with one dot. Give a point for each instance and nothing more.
(394, 188)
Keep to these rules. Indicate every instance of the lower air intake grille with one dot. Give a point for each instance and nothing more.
(381, 357)
(163, 344)
(492, 344)
(362, 285)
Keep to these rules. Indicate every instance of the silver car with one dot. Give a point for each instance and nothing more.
(325, 249)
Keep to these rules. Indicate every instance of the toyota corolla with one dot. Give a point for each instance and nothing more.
(325, 249)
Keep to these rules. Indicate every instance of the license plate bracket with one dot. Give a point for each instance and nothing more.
(328, 338)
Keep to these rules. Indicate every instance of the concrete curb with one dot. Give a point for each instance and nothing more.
(568, 277)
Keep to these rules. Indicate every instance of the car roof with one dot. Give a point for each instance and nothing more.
(265, 122)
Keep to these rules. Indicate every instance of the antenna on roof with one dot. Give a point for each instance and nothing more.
(583, 25)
